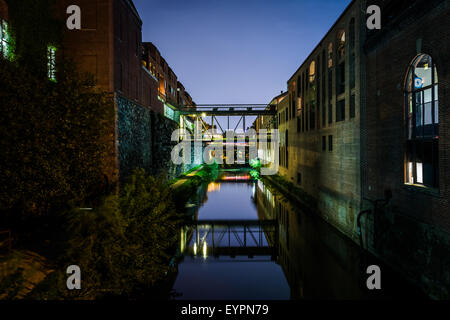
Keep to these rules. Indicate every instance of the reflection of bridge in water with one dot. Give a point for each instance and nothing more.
(230, 238)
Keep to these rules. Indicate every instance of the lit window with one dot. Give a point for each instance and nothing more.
(330, 55)
(4, 39)
(312, 71)
(422, 123)
(51, 64)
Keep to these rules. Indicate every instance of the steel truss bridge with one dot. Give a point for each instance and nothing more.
(228, 110)
(231, 238)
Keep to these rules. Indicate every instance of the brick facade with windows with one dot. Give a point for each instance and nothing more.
(413, 231)
(109, 46)
(367, 124)
(324, 107)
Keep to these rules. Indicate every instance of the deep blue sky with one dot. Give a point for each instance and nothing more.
(236, 51)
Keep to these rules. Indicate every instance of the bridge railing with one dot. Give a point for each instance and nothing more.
(232, 237)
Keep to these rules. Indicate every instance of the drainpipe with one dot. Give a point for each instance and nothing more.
(375, 203)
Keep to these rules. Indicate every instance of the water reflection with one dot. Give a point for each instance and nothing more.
(248, 242)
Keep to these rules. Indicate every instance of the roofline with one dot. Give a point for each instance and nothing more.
(133, 8)
(323, 38)
(280, 95)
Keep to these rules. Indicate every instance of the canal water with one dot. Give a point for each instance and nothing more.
(248, 242)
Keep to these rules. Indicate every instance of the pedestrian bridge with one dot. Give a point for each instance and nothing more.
(230, 238)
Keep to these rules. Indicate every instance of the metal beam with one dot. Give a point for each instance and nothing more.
(218, 113)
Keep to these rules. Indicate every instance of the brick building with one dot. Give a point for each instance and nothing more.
(109, 45)
(171, 92)
(366, 127)
(320, 127)
(406, 132)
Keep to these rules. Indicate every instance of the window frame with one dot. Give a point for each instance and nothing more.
(416, 145)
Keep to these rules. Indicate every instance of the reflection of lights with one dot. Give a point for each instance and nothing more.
(203, 114)
(236, 178)
(213, 186)
(183, 241)
(205, 250)
(195, 248)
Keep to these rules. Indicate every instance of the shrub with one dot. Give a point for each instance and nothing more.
(123, 247)
(146, 203)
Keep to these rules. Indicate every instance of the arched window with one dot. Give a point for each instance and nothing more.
(340, 63)
(341, 45)
(422, 123)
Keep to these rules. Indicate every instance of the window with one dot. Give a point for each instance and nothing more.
(352, 53)
(330, 143)
(352, 106)
(422, 123)
(312, 71)
(287, 150)
(323, 90)
(312, 116)
(4, 40)
(330, 85)
(324, 143)
(330, 55)
(330, 113)
(318, 96)
(352, 33)
(340, 110)
(299, 178)
(51, 63)
(340, 70)
(299, 106)
(341, 45)
(307, 115)
(340, 78)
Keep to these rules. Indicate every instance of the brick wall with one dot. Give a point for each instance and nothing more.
(3, 10)
(412, 232)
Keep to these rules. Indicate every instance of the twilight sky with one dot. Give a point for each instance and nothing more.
(236, 51)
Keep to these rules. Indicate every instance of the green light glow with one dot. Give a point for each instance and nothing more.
(51, 64)
(5, 46)
(255, 163)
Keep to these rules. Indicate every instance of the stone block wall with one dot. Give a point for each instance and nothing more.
(144, 141)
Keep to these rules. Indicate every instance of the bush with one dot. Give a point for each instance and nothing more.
(123, 247)
(146, 203)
